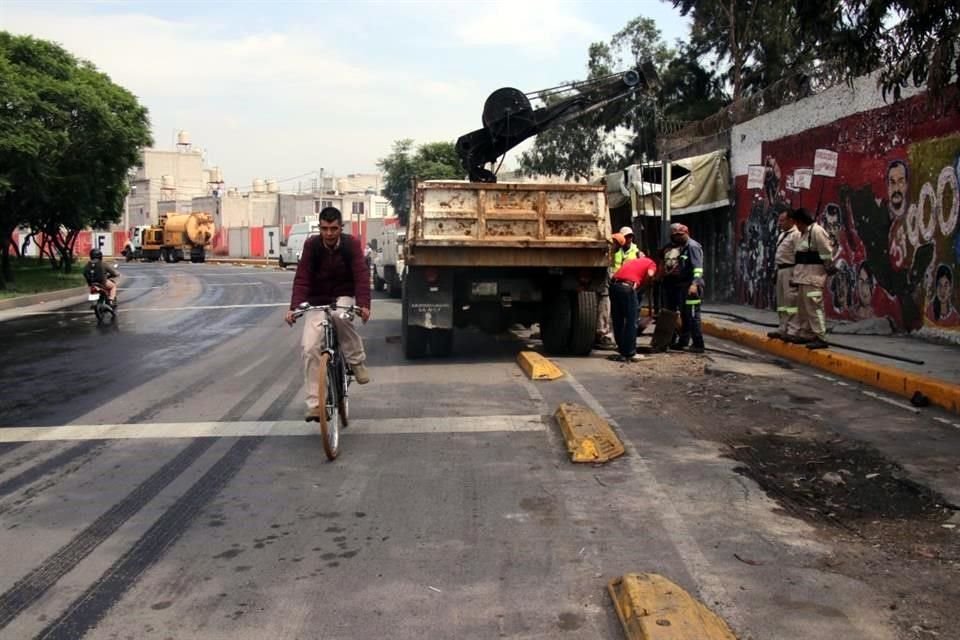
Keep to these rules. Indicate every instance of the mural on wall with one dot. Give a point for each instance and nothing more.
(884, 184)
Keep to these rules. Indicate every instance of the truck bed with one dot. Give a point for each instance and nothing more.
(508, 224)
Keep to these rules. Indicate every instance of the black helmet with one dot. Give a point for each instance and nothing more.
(96, 254)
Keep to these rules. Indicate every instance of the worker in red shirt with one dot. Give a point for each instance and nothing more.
(624, 309)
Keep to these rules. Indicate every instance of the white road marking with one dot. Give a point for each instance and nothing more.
(711, 588)
(461, 424)
(881, 398)
(123, 309)
(947, 422)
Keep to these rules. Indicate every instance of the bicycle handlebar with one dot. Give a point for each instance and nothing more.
(352, 310)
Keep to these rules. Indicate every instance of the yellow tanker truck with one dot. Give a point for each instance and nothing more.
(178, 236)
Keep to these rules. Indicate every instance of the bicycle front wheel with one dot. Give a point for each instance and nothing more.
(328, 404)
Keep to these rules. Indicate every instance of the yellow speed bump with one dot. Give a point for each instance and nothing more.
(537, 367)
(651, 607)
(588, 436)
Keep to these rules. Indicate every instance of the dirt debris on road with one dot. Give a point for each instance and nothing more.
(886, 529)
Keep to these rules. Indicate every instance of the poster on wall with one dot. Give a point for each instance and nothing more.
(755, 176)
(825, 163)
(803, 178)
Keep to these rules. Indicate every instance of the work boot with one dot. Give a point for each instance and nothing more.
(312, 415)
(676, 346)
(635, 358)
(697, 349)
(817, 344)
(360, 373)
(796, 340)
(775, 335)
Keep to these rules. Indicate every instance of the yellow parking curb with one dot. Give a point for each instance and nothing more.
(537, 367)
(589, 438)
(650, 607)
(897, 381)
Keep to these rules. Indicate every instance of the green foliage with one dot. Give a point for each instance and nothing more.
(68, 137)
(430, 161)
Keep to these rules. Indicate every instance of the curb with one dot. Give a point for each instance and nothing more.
(265, 263)
(890, 379)
(39, 298)
(651, 607)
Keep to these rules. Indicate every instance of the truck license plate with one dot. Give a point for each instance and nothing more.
(483, 289)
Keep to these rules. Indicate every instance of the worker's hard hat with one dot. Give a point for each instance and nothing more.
(618, 239)
(626, 231)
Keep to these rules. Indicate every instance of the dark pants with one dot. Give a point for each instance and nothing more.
(677, 299)
(623, 314)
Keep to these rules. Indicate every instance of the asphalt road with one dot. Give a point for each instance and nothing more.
(452, 511)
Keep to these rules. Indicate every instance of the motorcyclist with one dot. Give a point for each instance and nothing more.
(97, 272)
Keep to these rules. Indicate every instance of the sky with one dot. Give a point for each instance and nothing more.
(280, 89)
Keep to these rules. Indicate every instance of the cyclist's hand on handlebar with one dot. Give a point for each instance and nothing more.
(364, 314)
(289, 318)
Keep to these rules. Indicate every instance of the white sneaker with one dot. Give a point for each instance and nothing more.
(360, 373)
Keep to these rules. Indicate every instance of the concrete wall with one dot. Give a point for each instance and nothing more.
(898, 246)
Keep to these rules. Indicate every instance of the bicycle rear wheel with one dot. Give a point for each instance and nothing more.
(328, 405)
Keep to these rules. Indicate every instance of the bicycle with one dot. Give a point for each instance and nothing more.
(335, 378)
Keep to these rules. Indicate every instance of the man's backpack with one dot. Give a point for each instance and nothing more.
(93, 272)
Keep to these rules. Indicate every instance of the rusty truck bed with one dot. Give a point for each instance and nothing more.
(508, 224)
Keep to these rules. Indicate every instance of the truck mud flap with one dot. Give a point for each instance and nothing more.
(428, 304)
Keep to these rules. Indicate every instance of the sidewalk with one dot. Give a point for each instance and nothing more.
(938, 377)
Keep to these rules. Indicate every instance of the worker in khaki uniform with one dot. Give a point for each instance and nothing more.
(813, 263)
(786, 292)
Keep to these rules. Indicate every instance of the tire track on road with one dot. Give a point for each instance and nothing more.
(35, 584)
(97, 600)
(48, 466)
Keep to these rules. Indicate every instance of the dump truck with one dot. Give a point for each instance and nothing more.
(177, 237)
(491, 255)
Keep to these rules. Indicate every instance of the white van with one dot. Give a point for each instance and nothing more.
(291, 249)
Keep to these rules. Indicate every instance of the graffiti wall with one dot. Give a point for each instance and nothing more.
(884, 184)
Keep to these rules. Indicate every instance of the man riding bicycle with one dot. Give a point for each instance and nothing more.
(97, 272)
(331, 271)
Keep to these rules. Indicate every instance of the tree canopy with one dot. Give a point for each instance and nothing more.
(430, 161)
(68, 137)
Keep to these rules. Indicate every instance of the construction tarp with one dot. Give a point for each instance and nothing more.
(699, 183)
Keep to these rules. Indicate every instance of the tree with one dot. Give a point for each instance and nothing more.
(907, 41)
(430, 161)
(68, 137)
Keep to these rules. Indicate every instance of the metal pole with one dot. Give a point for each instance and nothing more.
(665, 202)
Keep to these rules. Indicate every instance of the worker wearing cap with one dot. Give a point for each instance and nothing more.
(628, 250)
(786, 291)
(604, 336)
(814, 262)
(683, 285)
(632, 276)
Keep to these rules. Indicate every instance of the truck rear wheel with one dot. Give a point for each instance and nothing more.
(555, 324)
(584, 322)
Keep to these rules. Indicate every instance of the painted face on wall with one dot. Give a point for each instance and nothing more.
(864, 286)
(897, 189)
(944, 289)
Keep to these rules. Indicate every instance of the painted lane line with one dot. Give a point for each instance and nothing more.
(947, 422)
(462, 424)
(895, 403)
(708, 582)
